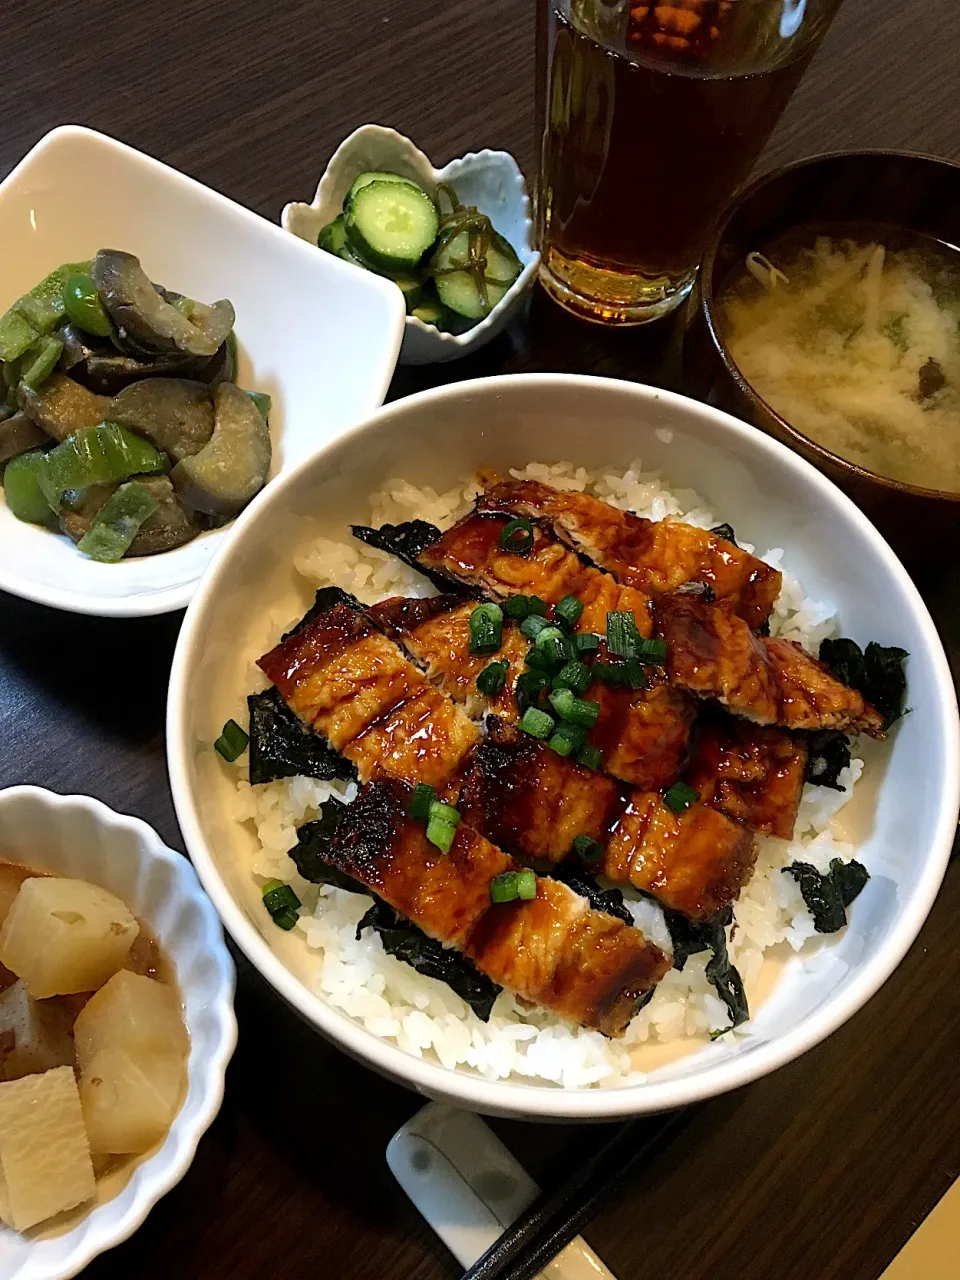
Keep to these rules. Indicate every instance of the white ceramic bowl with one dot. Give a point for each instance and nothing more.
(78, 836)
(320, 337)
(774, 498)
(491, 180)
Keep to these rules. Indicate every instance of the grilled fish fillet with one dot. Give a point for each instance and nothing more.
(527, 799)
(712, 653)
(470, 552)
(554, 950)
(655, 556)
(350, 683)
(752, 773)
(643, 734)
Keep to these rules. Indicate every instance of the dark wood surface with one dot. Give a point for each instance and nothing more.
(820, 1171)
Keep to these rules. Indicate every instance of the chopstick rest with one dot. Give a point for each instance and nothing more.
(468, 1186)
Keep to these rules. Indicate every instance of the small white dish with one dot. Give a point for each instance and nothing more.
(321, 338)
(903, 824)
(491, 180)
(80, 837)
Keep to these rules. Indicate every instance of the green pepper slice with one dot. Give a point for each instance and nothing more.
(102, 455)
(117, 523)
(21, 487)
(83, 306)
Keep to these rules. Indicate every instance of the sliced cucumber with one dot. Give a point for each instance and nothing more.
(392, 224)
(459, 291)
(429, 313)
(412, 289)
(364, 180)
(333, 236)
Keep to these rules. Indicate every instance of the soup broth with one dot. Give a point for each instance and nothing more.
(852, 335)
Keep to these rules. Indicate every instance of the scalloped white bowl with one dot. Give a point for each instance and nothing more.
(491, 180)
(906, 808)
(78, 836)
(317, 335)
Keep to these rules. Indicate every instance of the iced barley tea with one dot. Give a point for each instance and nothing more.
(651, 116)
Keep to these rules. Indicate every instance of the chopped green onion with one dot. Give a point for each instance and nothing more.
(532, 625)
(511, 885)
(282, 903)
(537, 660)
(440, 811)
(529, 687)
(524, 606)
(634, 676)
(588, 849)
(527, 885)
(586, 642)
(232, 741)
(537, 723)
(492, 678)
(517, 536)
(423, 797)
(590, 757)
(577, 711)
(486, 628)
(680, 797)
(568, 610)
(623, 638)
(442, 822)
(567, 738)
(555, 646)
(653, 651)
(629, 674)
(573, 675)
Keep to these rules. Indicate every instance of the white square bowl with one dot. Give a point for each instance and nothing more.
(319, 336)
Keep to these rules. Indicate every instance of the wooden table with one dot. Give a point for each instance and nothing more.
(822, 1170)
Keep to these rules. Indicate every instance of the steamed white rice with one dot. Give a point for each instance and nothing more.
(422, 1015)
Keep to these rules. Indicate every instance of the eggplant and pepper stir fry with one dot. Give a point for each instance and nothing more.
(448, 261)
(121, 422)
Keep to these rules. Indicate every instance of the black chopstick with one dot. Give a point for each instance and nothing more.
(556, 1217)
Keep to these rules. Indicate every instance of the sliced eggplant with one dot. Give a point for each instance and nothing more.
(223, 366)
(222, 478)
(175, 413)
(61, 406)
(140, 310)
(19, 433)
(171, 525)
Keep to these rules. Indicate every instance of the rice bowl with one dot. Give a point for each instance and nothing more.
(433, 1039)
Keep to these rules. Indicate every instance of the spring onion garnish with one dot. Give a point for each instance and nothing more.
(486, 628)
(442, 822)
(423, 797)
(511, 885)
(537, 723)
(587, 848)
(573, 709)
(529, 687)
(590, 757)
(568, 610)
(586, 642)
(680, 797)
(282, 903)
(537, 661)
(653, 651)
(492, 678)
(573, 675)
(232, 741)
(623, 638)
(532, 625)
(523, 606)
(555, 647)
(517, 536)
(567, 738)
(627, 675)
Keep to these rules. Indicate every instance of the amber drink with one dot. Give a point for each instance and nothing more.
(651, 116)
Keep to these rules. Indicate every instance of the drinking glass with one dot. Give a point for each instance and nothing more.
(650, 116)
